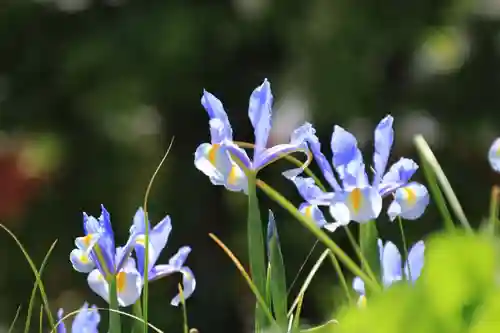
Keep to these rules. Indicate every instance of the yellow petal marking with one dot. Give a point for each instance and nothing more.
(121, 279)
(308, 211)
(212, 153)
(356, 197)
(232, 175)
(411, 196)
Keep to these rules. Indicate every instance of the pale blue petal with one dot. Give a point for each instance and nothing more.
(188, 285)
(325, 199)
(218, 131)
(178, 259)
(213, 162)
(61, 327)
(494, 155)
(260, 112)
(237, 154)
(215, 110)
(358, 285)
(307, 188)
(345, 152)
(398, 175)
(384, 138)
(86, 321)
(364, 204)
(313, 212)
(415, 260)
(131, 286)
(81, 261)
(98, 284)
(339, 209)
(391, 264)
(307, 133)
(279, 151)
(409, 202)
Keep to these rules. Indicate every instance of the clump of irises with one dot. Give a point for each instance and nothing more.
(355, 191)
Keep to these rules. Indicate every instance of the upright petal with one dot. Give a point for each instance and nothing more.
(81, 261)
(398, 175)
(61, 327)
(409, 202)
(313, 212)
(260, 112)
(345, 152)
(415, 261)
(215, 110)
(87, 320)
(384, 138)
(391, 264)
(494, 155)
(307, 133)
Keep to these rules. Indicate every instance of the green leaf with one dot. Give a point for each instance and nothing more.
(368, 236)
(256, 249)
(277, 274)
(137, 326)
(115, 325)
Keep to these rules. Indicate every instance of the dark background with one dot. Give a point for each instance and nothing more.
(91, 93)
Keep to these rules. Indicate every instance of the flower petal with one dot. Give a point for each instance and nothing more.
(415, 261)
(86, 321)
(313, 212)
(391, 264)
(61, 327)
(384, 138)
(259, 112)
(494, 155)
(129, 286)
(364, 204)
(358, 285)
(409, 202)
(398, 175)
(213, 162)
(237, 153)
(307, 188)
(188, 285)
(307, 133)
(81, 261)
(339, 209)
(347, 158)
(215, 110)
(98, 284)
(277, 152)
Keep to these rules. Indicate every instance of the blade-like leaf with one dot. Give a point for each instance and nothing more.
(368, 236)
(277, 276)
(256, 248)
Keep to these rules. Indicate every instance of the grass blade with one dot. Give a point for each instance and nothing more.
(277, 274)
(35, 272)
(137, 311)
(256, 248)
(184, 310)
(251, 285)
(494, 207)
(434, 171)
(16, 316)
(341, 276)
(35, 287)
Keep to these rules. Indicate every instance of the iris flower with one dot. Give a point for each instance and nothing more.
(97, 255)
(392, 270)
(355, 198)
(86, 321)
(222, 160)
(494, 155)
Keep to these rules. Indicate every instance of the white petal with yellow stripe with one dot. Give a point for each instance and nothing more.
(358, 204)
(409, 202)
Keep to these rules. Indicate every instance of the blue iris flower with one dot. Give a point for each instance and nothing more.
(86, 321)
(97, 255)
(392, 270)
(355, 198)
(494, 155)
(217, 158)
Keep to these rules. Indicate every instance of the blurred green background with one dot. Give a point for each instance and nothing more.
(92, 91)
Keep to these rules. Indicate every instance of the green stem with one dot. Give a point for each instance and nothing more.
(405, 246)
(321, 235)
(495, 193)
(114, 317)
(360, 254)
(341, 276)
(256, 247)
(137, 326)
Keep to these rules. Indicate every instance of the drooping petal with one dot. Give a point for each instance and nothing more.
(409, 202)
(358, 285)
(237, 154)
(81, 261)
(86, 321)
(307, 133)
(347, 158)
(86, 242)
(391, 264)
(98, 284)
(277, 152)
(215, 110)
(415, 261)
(188, 285)
(61, 327)
(384, 138)
(494, 155)
(313, 212)
(362, 204)
(398, 175)
(307, 188)
(259, 112)
(213, 161)
(236, 180)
